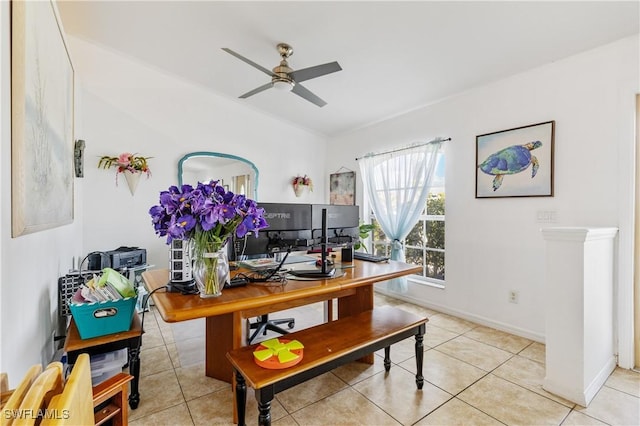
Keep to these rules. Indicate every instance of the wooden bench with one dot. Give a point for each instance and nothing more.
(326, 347)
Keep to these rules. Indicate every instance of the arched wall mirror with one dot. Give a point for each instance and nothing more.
(237, 174)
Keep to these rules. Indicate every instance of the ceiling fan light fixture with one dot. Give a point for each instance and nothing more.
(283, 86)
(285, 79)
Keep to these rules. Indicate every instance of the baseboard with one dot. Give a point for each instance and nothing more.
(487, 322)
(581, 397)
(570, 394)
(598, 381)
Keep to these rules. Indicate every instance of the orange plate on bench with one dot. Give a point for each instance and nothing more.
(272, 363)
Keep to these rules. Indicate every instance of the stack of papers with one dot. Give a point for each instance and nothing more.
(109, 286)
(257, 264)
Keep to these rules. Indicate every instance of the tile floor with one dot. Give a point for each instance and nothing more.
(474, 375)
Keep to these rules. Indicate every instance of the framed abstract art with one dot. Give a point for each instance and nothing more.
(342, 188)
(42, 141)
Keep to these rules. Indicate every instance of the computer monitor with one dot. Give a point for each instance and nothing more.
(287, 216)
(342, 222)
(289, 228)
(248, 247)
(325, 270)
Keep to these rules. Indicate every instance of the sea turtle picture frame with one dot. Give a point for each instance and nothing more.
(516, 162)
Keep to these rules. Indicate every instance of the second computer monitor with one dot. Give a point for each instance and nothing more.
(342, 222)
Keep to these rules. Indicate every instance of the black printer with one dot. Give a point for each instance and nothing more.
(120, 258)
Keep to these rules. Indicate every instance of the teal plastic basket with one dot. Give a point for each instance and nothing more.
(99, 319)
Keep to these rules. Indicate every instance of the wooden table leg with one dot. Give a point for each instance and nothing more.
(223, 333)
(359, 302)
(219, 341)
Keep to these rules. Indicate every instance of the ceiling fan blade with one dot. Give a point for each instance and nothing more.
(301, 91)
(313, 72)
(249, 61)
(257, 90)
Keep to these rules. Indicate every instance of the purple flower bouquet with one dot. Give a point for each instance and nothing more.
(206, 216)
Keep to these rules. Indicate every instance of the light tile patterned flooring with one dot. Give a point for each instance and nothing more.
(474, 376)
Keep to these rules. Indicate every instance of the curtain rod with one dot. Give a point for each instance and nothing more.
(403, 149)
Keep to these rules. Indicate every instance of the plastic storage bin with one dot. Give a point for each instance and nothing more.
(107, 365)
(98, 319)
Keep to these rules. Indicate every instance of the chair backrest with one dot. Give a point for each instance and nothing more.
(47, 384)
(5, 393)
(4, 382)
(75, 404)
(10, 408)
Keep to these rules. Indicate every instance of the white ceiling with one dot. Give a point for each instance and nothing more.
(396, 56)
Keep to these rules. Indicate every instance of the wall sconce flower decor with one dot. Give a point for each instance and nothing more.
(131, 165)
(301, 182)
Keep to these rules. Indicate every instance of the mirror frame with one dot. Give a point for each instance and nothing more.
(221, 155)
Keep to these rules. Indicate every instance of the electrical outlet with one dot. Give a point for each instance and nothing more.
(513, 296)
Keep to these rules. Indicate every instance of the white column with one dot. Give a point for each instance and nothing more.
(580, 352)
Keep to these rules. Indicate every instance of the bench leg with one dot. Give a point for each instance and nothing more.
(387, 358)
(264, 397)
(419, 357)
(241, 398)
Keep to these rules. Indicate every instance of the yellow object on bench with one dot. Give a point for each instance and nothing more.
(327, 346)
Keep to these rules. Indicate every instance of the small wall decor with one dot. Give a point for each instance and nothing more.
(78, 158)
(342, 188)
(516, 162)
(301, 182)
(41, 120)
(131, 165)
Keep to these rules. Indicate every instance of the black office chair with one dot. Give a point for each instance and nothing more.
(264, 324)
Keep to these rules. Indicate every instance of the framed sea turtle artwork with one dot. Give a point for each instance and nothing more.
(516, 162)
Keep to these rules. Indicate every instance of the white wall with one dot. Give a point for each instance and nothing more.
(31, 264)
(154, 114)
(495, 245)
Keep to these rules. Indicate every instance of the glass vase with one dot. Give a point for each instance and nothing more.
(211, 272)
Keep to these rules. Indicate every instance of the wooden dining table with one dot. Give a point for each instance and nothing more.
(226, 315)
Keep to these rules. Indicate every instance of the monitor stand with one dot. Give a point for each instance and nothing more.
(324, 271)
(314, 273)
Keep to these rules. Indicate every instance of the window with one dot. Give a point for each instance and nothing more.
(424, 245)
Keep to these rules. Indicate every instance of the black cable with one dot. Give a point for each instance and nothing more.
(86, 257)
(264, 275)
(145, 301)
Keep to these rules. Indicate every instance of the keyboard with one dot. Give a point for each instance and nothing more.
(361, 255)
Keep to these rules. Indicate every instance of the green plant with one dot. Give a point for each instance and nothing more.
(365, 229)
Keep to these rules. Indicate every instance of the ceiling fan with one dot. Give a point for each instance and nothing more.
(285, 78)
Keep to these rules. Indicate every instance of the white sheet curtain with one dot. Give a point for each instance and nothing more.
(397, 185)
